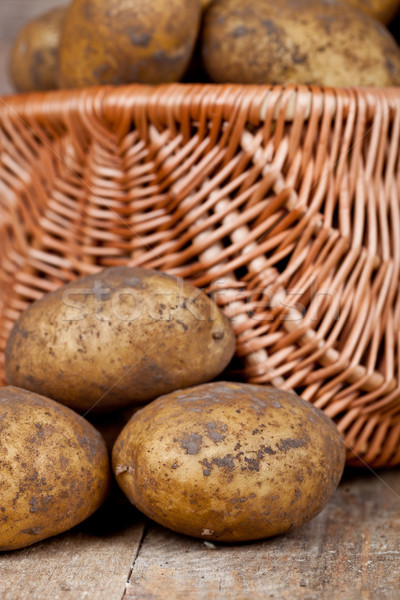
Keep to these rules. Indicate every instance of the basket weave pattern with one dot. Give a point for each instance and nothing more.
(284, 203)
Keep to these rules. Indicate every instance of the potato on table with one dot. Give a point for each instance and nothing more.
(229, 461)
(54, 468)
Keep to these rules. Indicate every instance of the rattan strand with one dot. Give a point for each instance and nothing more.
(284, 203)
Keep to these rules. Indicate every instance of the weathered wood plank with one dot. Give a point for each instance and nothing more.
(91, 562)
(351, 550)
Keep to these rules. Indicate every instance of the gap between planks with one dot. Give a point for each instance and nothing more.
(136, 554)
(90, 562)
(349, 551)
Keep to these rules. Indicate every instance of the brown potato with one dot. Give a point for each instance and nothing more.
(34, 56)
(229, 461)
(117, 338)
(54, 468)
(383, 10)
(297, 41)
(125, 41)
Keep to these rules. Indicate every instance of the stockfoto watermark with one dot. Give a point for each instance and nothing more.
(129, 304)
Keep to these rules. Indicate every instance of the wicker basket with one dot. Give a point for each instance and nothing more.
(284, 203)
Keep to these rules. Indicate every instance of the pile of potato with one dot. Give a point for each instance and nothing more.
(221, 461)
(322, 42)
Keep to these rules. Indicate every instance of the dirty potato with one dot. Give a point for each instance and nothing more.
(125, 41)
(117, 338)
(34, 56)
(54, 468)
(297, 41)
(229, 461)
(384, 10)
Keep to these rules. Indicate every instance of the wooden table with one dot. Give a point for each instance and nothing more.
(351, 550)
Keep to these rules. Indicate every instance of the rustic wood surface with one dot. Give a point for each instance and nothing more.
(91, 562)
(351, 550)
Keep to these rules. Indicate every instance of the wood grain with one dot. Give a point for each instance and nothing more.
(351, 550)
(91, 562)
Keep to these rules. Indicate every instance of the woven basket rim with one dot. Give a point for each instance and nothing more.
(290, 97)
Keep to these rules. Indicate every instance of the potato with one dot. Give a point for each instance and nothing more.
(384, 10)
(126, 41)
(228, 461)
(297, 41)
(34, 56)
(117, 338)
(54, 468)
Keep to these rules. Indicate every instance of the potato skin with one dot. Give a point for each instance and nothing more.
(34, 57)
(54, 468)
(120, 41)
(383, 10)
(117, 338)
(229, 462)
(297, 41)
